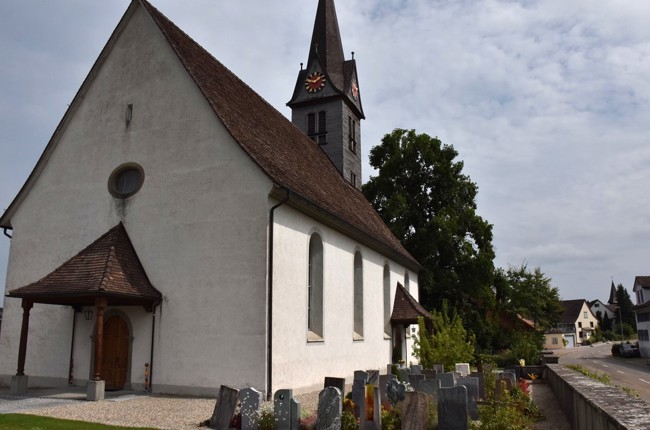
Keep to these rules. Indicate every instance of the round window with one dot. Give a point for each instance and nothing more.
(126, 180)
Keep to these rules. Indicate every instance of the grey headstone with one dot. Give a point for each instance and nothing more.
(440, 368)
(415, 411)
(517, 370)
(395, 391)
(373, 377)
(472, 395)
(414, 380)
(383, 380)
(429, 373)
(358, 395)
(330, 408)
(481, 383)
(361, 374)
(416, 369)
(512, 375)
(224, 409)
(282, 409)
(295, 414)
(452, 408)
(462, 368)
(429, 386)
(250, 399)
(447, 380)
(377, 408)
(335, 382)
(403, 374)
(389, 369)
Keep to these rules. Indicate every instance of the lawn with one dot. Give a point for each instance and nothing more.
(33, 422)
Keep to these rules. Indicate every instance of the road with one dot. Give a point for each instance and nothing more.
(625, 372)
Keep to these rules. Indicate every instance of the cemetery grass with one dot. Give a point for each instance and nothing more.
(33, 422)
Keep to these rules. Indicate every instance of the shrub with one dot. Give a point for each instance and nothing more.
(266, 420)
(391, 419)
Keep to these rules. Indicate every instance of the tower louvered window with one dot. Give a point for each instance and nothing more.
(317, 130)
(352, 127)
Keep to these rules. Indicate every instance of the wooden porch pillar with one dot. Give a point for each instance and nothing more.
(100, 304)
(22, 348)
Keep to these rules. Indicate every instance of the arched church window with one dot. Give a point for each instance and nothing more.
(387, 329)
(315, 288)
(358, 296)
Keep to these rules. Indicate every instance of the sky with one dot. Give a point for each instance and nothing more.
(547, 103)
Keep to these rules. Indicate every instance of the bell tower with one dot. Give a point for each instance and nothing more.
(326, 102)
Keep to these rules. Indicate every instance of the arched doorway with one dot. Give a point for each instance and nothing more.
(116, 352)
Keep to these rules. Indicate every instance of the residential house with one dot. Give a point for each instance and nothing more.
(642, 310)
(577, 323)
(597, 306)
(193, 231)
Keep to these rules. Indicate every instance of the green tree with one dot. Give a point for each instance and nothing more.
(607, 323)
(625, 307)
(445, 341)
(429, 204)
(531, 295)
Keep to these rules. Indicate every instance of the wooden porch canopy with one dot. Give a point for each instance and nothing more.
(106, 273)
(407, 310)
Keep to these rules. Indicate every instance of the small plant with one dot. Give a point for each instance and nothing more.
(308, 422)
(391, 419)
(601, 377)
(266, 420)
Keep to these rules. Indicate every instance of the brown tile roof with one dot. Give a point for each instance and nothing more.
(109, 267)
(571, 310)
(289, 158)
(406, 310)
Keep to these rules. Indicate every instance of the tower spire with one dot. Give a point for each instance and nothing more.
(326, 101)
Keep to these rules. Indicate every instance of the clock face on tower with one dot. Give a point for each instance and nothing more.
(315, 82)
(355, 90)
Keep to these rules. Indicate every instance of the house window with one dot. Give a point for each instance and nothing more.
(352, 131)
(580, 324)
(555, 341)
(317, 127)
(353, 179)
(315, 288)
(387, 300)
(358, 296)
(591, 323)
(585, 315)
(643, 335)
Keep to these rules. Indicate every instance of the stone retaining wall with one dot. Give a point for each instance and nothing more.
(591, 405)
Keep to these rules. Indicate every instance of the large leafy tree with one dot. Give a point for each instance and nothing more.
(529, 293)
(429, 204)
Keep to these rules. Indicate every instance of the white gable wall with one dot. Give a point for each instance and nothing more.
(300, 364)
(198, 224)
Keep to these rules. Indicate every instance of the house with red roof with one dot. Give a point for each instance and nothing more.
(178, 233)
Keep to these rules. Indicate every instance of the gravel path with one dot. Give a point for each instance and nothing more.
(544, 398)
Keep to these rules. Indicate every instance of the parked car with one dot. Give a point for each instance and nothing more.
(628, 350)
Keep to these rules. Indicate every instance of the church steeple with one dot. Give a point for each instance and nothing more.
(326, 102)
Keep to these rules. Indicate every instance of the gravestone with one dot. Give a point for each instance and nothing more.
(429, 386)
(481, 383)
(358, 395)
(383, 381)
(429, 373)
(414, 380)
(335, 382)
(403, 374)
(250, 399)
(286, 410)
(440, 368)
(447, 380)
(512, 375)
(225, 408)
(361, 374)
(517, 370)
(416, 369)
(462, 368)
(452, 408)
(395, 391)
(415, 411)
(377, 408)
(373, 377)
(472, 395)
(330, 408)
(389, 369)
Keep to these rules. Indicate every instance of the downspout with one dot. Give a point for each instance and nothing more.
(153, 333)
(71, 368)
(7, 234)
(269, 330)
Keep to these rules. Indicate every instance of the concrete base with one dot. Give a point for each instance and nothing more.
(18, 385)
(95, 391)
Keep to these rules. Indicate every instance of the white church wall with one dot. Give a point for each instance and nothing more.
(297, 362)
(198, 224)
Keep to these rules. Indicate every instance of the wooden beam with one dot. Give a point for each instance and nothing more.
(100, 304)
(22, 349)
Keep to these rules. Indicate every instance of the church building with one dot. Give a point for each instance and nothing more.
(178, 233)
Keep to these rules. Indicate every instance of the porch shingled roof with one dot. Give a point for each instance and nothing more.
(406, 310)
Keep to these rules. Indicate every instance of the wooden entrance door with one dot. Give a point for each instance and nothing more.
(116, 353)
